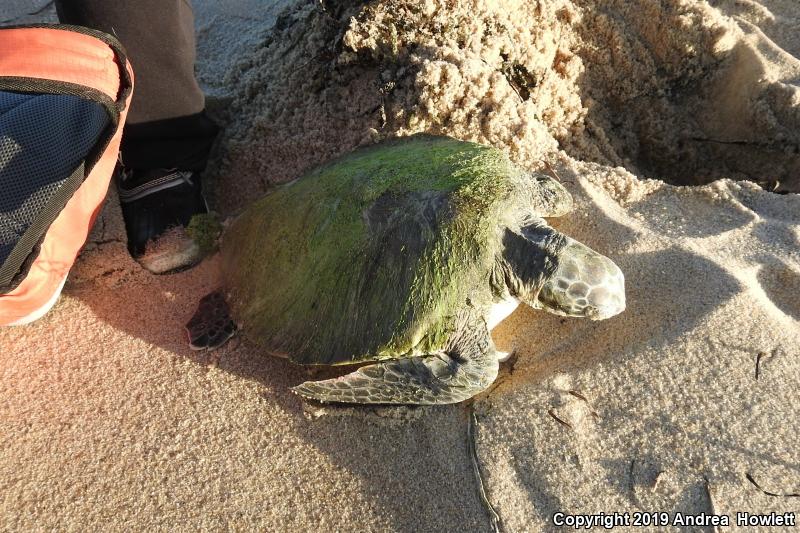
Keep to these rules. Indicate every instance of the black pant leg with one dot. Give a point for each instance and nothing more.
(166, 124)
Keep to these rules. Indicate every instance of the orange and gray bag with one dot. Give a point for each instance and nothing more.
(64, 95)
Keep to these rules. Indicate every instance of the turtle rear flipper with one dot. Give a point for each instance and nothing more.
(211, 326)
(443, 378)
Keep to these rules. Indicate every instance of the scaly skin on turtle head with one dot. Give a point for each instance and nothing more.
(548, 270)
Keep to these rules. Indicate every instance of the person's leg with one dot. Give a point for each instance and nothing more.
(166, 126)
(167, 137)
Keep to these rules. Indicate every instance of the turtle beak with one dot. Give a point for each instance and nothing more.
(584, 284)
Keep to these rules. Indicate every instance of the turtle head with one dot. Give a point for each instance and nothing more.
(548, 270)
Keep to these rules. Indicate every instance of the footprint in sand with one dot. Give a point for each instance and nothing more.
(781, 283)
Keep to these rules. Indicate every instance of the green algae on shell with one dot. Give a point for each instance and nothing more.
(372, 255)
(204, 229)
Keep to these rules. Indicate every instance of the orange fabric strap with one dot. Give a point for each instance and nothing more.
(60, 55)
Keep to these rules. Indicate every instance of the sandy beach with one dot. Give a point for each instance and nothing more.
(675, 124)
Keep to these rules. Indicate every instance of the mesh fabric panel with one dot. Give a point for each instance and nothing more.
(43, 139)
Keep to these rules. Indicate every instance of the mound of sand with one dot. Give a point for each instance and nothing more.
(669, 89)
(685, 402)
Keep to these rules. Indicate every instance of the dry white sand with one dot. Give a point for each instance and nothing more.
(108, 421)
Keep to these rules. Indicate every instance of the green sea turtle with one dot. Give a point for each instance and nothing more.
(404, 255)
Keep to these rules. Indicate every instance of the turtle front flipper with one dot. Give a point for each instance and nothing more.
(466, 368)
(211, 325)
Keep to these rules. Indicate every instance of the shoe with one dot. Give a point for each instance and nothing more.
(157, 206)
